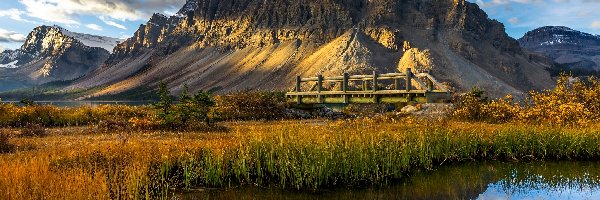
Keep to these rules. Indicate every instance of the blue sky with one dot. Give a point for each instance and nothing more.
(520, 16)
(120, 18)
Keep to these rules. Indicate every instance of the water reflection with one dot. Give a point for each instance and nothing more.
(488, 180)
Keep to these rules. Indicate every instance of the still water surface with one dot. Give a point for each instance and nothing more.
(88, 103)
(487, 180)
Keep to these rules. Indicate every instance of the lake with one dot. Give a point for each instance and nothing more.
(482, 180)
(88, 103)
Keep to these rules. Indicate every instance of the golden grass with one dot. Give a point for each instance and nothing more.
(72, 163)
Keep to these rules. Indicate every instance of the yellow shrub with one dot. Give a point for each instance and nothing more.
(572, 102)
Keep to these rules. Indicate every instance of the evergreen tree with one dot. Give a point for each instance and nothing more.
(203, 102)
(164, 105)
(185, 107)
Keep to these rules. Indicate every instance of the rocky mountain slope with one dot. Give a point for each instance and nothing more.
(51, 53)
(231, 45)
(572, 49)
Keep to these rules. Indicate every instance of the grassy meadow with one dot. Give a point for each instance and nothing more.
(76, 163)
(128, 152)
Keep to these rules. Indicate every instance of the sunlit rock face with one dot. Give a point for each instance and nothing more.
(51, 53)
(231, 45)
(573, 49)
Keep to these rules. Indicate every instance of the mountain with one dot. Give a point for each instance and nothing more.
(231, 45)
(52, 53)
(571, 49)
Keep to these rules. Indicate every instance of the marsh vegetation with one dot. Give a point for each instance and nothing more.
(146, 152)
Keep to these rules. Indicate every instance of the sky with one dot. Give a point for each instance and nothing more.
(121, 18)
(520, 16)
(113, 18)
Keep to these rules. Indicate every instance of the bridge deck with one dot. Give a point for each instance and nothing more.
(376, 88)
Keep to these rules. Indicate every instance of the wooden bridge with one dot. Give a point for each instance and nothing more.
(391, 88)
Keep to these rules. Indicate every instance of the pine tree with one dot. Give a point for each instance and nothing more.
(203, 103)
(185, 107)
(164, 105)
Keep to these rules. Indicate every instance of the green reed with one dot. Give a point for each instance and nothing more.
(304, 156)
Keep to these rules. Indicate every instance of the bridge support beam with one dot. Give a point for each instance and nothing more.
(298, 89)
(320, 88)
(374, 81)
(345, 88)
(408, 79)
(430, 86)
(375, 97)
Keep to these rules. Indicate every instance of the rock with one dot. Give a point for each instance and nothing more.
(232, 45)
(435, 110)
(418, 61)
(409, 109)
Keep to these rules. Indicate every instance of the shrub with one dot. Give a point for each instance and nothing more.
(572, 102)
(249, 105)
(33, 130)
(27, 102)
(5, 145)
(194, 109)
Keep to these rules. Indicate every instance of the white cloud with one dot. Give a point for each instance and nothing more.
(520, 16)
(109, 22)
(94, 27)
(595, 25)
(10, 36)
(12, 13)
(68, 11)
(125, 37)
(490, 3)
(2, 48)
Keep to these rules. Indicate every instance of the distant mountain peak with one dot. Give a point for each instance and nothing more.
(52, 53)
(572, 48)
(89, 40)
(556, 35)
(190, 6)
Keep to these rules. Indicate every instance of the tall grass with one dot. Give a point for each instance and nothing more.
(12, 115)
(299, 155)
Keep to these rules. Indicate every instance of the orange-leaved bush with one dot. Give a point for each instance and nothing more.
(573, 101)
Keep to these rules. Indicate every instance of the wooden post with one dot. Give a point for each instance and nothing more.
(345, 83)
(320, 88)
(397, 83)
(298, 89)
(298, 82)
(365, 84)
(430, 86)
(345, 87)
(375, 97)
(374, 81)
(408, 79)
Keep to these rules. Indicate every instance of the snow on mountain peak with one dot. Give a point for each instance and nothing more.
(190, 6)
(107, 43)
(12, 64)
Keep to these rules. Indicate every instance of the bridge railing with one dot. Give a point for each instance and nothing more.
(374, 86)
